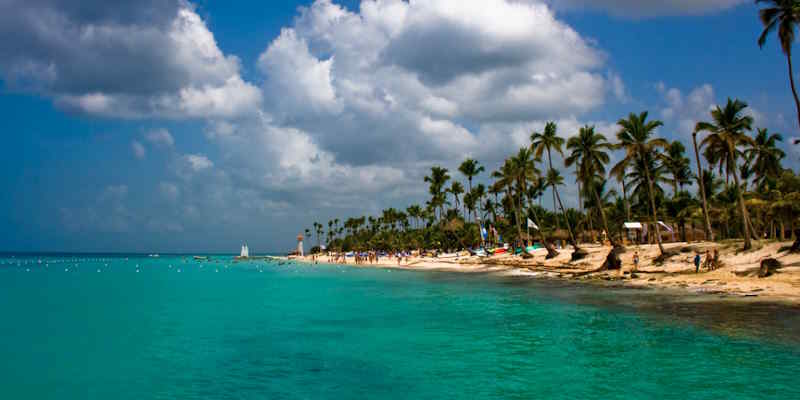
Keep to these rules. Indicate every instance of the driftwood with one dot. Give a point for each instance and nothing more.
(613, 262)
(579, 254)
(796, 245)
(768, 267)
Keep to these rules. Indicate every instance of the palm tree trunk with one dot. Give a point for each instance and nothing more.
(551, 252)
(745, 218)
(783, 230)
(552, 187)
(709, 232)
(625, 200)
(566, 221)
(603, 216)
(653, 206)
(791, 82)
(516, 214)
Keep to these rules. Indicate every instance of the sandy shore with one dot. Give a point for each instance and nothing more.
(738, 276)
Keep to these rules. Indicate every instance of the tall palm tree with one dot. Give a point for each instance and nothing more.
(415, 212)
(589, 152)
(547, 141)
(437, 179)
(456, 189)
(677, 164)
(554, 179)
(700, 181)
(620, 174)
(726, 135)
(783, 16)
(766, 156)
(635, 136)
(470, 168)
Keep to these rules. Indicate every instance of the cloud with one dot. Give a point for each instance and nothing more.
(426, 76)
(138, 149)
(645, 8)
(351, 107)
(121, 59)
(198, 162)
(684, 111)
(169, 191)
(160, 137)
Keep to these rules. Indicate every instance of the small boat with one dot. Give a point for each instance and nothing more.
(201, 258)
(153, 255)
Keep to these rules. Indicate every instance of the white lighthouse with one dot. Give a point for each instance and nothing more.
(300, 245)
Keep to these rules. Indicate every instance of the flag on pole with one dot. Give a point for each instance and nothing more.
(532, 225)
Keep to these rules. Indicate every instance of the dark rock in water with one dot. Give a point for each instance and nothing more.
(768, 267)
(613, 261)
(579, 254)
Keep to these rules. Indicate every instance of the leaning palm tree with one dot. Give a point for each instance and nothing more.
(783, 16)
(766, 156)
(726, 135)
(590, 153)
(635, 136)
(547, 140)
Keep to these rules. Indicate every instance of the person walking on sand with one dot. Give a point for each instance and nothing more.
(697, 263)
(635, 262)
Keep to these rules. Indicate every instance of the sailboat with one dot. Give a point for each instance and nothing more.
(245, 253)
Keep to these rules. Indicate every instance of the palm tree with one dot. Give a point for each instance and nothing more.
(784, 16)
(766, 156)
(589, 152)
(635, 137)
(470, 168)
(519, 170)
(726, 135)
(701, 182)
(415, 212)
(437, 179)
(548, 140)
(456, 189)
(554, 179)
(677, 164)
(318, 231)
(620, 174)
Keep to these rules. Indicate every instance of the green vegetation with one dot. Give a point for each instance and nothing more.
(743, 178)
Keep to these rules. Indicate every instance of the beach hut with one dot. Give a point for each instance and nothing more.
(633, 229)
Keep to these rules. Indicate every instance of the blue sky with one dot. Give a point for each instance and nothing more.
(174, 126)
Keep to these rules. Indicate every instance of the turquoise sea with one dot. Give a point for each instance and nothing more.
(92, 327)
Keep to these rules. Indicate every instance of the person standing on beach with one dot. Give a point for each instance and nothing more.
(697, 263)
(635, 261)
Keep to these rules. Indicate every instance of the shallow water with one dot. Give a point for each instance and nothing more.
(261, 330)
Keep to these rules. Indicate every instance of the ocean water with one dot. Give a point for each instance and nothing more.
(92, 327)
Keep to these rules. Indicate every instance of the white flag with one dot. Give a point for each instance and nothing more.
(532, 225)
